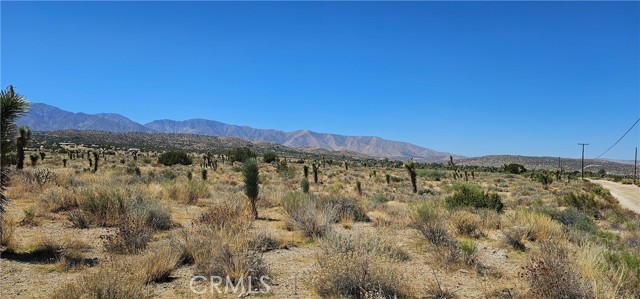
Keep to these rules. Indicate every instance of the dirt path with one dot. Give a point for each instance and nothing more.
(627, 195)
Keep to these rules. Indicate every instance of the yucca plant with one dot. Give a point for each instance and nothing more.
(305, 168)
(251, 183)
(96, 157)
(12, 106)
(315, 167)
(410, 166)
(24, 135)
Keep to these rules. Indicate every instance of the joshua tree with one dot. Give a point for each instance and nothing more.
(359, 188)
(24, 134)
(346, 165)
(251, 181)
(96, 156)
(466, 176)
(64, 162)
(473, 175)
(411, 169)
(203, 174)
(306, 171)
(12, 106)
(388, 177)
(315, 167)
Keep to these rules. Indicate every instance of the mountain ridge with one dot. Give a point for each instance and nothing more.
(44, 117)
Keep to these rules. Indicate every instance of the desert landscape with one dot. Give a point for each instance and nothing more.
(319, 149)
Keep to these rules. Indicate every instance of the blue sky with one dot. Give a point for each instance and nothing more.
(472, 78)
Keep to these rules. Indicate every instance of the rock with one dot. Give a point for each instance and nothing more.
(502, 254)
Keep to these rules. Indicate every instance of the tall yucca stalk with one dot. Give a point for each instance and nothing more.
(12, 106)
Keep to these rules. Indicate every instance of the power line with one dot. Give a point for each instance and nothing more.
(625, 134)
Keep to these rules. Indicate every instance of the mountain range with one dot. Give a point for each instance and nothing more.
(43, 117)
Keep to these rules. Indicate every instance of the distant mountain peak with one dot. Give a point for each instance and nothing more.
(43, 117)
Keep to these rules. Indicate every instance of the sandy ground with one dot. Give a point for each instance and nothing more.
(627, 195)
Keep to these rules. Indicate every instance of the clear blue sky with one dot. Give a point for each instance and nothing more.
(475, 78)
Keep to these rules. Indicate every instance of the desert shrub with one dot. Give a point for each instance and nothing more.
(573, 218)
(344, 205)
(469, 252)
(627, 264)
(57, 199)
(188, 192)
(222, 214)
(467, 195)
(514, 168)
(356, 273)
(554, 274)
(240, 154)
(431, 174)
(537, 226)
(105, 205)
(378, 199)
(72, 254)
(599, 190)
(262, 241)
(173, 158)
(8, 229)
(427, 219)
(225, 252)
(79, 219)
(582, 201)
(343, 244)
(269, 157)
(133, 234)
(109, 282)
(159, 263)
(466, 223)
(515, 237)
(305, 214)
(304, 184)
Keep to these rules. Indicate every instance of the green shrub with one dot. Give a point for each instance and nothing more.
(514, 168)
(269, 157)
(599, 190)
(572, 217)
(173, 158)
(240, 154)
(304, 184)
(473, 196)
(582, 201)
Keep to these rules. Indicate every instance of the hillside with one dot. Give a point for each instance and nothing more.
(187, 142)
(550, 163)
(44, 117)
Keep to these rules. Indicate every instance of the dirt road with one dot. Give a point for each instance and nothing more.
(627, 195)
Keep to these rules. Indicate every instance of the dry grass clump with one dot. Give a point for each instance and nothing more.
(516, 236)
(554, 274)
(73, 254)
(223, 213)
(7, 232)
(427, 218)
(344, 205)
(132, 235)
(467, 223)
(56, 199)
(159, 263)
(306, 214)
(346, 269)
(112, 280)
(187, 193)
(224, 252)
(539, 227)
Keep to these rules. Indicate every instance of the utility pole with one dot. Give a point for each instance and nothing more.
(635, 166)
(583, 144)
